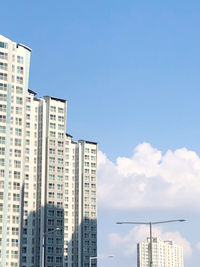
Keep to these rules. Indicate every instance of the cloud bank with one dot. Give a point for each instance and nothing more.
(150, 179)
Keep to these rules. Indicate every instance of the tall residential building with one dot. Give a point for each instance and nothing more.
(164, 253)
(48, 214)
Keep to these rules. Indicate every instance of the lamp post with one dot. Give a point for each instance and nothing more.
(96, 257)
(43, 235)
(150, 230)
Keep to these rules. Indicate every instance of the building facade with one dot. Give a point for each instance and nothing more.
(164, 253)
(47, 181)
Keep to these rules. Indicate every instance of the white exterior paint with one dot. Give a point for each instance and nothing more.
(164, 253)
(47, 180)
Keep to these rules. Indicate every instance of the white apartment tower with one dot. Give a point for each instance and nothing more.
(48, 214)
(164, 253)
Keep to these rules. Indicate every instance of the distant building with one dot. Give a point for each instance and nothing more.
(164, 253)
(47, 181)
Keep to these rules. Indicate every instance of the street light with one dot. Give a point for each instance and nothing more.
(150, 228)
(43, 235)
(96, 257)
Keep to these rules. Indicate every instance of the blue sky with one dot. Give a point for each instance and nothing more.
(130, 73)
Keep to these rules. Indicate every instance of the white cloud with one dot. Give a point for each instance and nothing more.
(150, 179)
(127, 243)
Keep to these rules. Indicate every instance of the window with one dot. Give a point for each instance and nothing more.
(3, 97)
(50, 258)
(2, 129)
(59, 204)
(60, 135)
(16, 197)
(20, 70)
(18, 121)
(17, 164)
(19, 80)
(51, 222)
(1, 162)
(14, 242)
(50, 250)
(17, 175)
(59, 250)
(60, 169)
(51, 194)
(60, 152)
(52, 117)
(86, 170)
(60, 110)
(3, 66)
(52, 134)
(51, 213)
(2, 118)
(51, 186)
(52, 125)
(60, 127)
(59, 186)
(52, 142)
(3, 87)
(26, 168)
(59, 213)
(15, 208)
(3, 45)
(59, 259)
(18, 142)
(60, 143)
(60, 161)
(52, 168)
(27, 142)
(52, 109)
(28, 108)
(3, 76)
(19, 90)
(59, 241)
(3, 55)
(14, 254)
(61, 118)
(15, 219)
(18, 132)
(19, 110)
(59, 195)
(2, 151)
(51, 177)
(2, 140)
(20, 59)
(19, 100)
(60, 178)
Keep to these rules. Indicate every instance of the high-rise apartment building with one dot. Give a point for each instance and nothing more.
(48, 214)
(164, 253)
